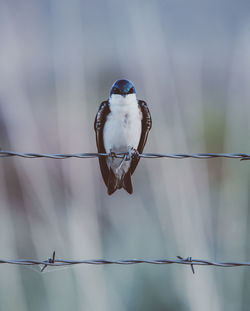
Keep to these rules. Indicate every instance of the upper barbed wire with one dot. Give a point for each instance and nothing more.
(241, 156)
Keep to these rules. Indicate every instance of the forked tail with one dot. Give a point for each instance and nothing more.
(115, 183)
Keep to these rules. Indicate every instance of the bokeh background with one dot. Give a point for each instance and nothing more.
(190, 61)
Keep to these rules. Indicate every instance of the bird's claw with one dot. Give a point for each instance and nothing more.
(134, 154)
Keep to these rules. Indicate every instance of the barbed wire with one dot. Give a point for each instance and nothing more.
(183, 261)
(241, 156)
(180, 260)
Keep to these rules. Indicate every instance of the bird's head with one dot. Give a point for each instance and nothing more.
(123, 88)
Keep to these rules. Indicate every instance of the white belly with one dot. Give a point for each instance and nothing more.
(122, 128)
(121, 133)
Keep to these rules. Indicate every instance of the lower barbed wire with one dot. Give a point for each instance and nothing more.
(180, 260)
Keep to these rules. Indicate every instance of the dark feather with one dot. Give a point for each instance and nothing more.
(99, 125)
(127, 184)
(146, 126)
(112, 182)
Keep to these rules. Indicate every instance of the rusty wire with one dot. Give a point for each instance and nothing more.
(240, 156)
(53, 261)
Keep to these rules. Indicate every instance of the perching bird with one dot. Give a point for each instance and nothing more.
(122, 124)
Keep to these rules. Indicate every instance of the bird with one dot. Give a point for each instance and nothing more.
(122, 124)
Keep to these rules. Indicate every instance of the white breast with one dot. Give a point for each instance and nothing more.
(123, 124)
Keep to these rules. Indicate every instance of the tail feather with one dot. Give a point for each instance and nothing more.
(112, 182)
(115, 183)
(127, 184)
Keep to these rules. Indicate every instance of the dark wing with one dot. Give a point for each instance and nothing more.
(146, 123)
(99, 125)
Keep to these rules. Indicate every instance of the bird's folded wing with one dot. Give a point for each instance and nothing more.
(146, 126)
(99, 125)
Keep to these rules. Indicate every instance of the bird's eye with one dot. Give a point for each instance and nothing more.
(116, 90)
(131, 91)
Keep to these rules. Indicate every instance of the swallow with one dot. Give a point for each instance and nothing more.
(122, 124)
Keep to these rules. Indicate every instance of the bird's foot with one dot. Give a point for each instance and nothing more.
(133, 154)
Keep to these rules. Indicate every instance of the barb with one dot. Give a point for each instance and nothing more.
(189, 259)
(50, 260)
(240, 156)
(182, 261)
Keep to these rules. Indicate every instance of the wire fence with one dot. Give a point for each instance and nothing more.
(53, 261)
(240, 156)
(43, 264)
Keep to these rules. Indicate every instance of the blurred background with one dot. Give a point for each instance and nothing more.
(190, 61)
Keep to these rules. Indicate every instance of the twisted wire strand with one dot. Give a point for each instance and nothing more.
(180, 260)
(241, 156)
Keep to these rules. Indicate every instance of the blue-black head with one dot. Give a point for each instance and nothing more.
(122, 87)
